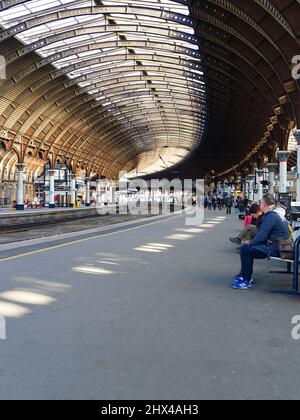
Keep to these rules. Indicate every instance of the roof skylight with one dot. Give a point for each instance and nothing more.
(139, 56)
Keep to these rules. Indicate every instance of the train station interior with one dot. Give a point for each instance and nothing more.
(135, 139)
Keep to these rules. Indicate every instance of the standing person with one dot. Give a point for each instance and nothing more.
(228, 204)
(214, 203)
(220, 203)
(242, 205)
(209, 202)
(274, 226)
(205, 202)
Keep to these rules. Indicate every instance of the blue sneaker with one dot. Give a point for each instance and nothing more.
(242, 285)
(240, 279)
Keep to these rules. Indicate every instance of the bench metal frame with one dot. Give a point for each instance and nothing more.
(295, 263)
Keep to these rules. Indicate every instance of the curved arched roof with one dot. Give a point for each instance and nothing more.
(143, 85)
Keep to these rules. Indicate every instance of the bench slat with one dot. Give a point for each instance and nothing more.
(280, 259)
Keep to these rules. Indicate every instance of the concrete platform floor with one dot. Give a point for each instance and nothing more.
(145, 313)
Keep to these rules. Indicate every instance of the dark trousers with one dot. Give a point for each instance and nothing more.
(248, 255)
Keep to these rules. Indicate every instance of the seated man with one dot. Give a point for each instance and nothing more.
(249, 233)
(274, 226)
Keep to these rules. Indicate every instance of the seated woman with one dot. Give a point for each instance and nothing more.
(250, 231)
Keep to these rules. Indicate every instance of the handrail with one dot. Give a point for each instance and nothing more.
(296, 266)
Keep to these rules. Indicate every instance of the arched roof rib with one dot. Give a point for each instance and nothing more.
(68, 84)
(257, 40)
(107, 78)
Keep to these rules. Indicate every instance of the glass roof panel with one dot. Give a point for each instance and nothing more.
(138, 60)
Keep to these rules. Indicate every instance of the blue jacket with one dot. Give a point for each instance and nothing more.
(274, 226)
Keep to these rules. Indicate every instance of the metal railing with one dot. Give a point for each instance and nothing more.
(296, 266)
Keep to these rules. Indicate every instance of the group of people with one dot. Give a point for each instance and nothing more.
(215, 202)
(266, 226)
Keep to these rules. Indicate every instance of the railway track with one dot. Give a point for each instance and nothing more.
(26, 228)
(106, 218)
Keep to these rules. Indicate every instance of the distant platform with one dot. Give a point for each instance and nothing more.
(10, 218)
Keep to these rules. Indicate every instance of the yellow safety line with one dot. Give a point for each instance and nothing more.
(26, 254)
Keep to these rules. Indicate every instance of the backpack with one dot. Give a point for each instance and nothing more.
(286, 249)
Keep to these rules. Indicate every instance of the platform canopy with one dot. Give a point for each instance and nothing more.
(188, 87)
